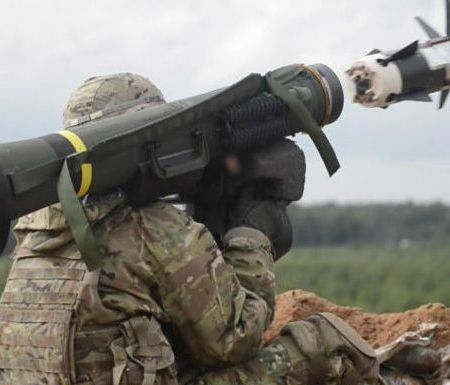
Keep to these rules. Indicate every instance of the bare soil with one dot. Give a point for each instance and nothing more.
(377, 329)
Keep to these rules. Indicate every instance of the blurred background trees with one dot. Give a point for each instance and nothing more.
(400, 225)
(381, 257)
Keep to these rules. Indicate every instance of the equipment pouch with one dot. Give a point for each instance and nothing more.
(140, 352)
(36, 309)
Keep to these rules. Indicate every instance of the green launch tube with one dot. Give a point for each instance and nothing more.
(164, 149)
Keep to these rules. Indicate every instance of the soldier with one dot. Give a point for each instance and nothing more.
(168, 306)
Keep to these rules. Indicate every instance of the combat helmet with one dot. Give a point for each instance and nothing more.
(110, 95)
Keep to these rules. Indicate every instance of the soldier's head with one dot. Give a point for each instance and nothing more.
(110, 95)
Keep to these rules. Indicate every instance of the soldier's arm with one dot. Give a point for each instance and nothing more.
(221, 302)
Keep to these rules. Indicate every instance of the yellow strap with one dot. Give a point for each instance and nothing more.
(86, 168)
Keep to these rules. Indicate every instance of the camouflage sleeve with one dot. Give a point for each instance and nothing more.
(220, 303)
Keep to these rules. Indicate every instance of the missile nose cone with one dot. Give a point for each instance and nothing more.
(370, 83)
(362, 85)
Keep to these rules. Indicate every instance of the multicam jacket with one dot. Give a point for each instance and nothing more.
(166, 296)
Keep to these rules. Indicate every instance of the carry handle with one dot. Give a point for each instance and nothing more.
(181, 165)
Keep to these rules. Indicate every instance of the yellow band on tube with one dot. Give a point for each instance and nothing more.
(86, 168)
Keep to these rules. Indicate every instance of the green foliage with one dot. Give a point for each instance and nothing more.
(374, 278)
(376, 224)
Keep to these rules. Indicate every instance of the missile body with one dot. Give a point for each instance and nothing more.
(381, 79)
(411, 73)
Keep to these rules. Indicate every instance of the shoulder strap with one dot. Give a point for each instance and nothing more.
(274, 80)
(76, 218)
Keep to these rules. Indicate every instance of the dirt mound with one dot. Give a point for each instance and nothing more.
(377, 329)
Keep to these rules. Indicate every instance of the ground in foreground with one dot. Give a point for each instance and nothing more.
(377, 329)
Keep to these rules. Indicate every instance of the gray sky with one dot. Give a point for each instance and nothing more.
(48, 47)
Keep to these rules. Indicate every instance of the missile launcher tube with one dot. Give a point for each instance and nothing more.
(158, 150)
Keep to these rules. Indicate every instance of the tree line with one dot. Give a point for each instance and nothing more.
(370, 224)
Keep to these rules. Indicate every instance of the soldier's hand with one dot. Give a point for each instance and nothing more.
(268, 216)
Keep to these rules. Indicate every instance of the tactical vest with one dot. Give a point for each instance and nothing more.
(41, 341)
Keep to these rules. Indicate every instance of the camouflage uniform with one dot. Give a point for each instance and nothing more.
(167, 306)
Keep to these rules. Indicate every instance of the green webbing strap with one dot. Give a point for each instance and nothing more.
(76, 218)
(303, 116)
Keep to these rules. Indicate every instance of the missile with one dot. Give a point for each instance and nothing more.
(412, 73)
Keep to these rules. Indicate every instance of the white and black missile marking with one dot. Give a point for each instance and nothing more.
(411, 73)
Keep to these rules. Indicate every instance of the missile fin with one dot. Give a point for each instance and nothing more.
(418, 96)
(374, 51)
(444, 95)
(429, 30)
(403, 53)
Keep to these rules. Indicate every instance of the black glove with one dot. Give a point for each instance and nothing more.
(269, 217)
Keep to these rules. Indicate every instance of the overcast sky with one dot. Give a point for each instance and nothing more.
(48, 47)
